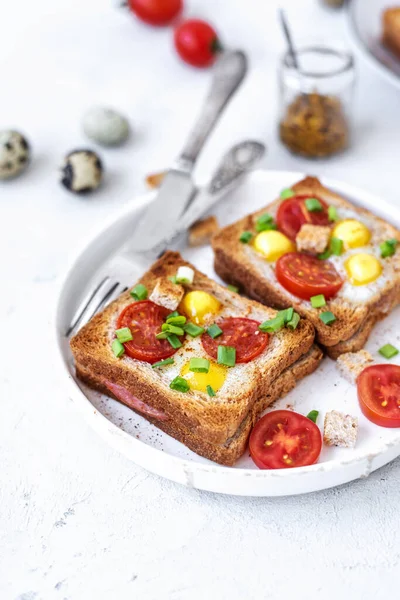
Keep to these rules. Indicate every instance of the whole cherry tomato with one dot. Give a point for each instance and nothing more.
(197, 43)
(156, 12)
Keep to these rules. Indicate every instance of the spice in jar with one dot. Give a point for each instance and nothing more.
(315, 126)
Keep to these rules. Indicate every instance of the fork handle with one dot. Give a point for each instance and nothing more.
(228, 75)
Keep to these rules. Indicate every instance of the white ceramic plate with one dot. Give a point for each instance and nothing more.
(365, 20)
(324, 390)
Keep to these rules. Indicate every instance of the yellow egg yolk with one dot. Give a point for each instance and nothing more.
(199, 381)
(198, 304)
(352, 233)
(363, 268)
(273, 244)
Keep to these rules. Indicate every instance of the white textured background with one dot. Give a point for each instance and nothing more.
(78, 521)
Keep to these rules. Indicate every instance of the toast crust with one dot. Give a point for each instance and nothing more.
(218, 418)
(230, 451)
(238, 264)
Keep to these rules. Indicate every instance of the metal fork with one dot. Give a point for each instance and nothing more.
(235, 164)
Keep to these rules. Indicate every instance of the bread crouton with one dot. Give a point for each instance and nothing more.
(167, 294)
(340, 429)
(351, 364)
(155, 179)
(313, 238)
(202, 231)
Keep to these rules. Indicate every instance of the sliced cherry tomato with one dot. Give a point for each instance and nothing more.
(293, 213)
(378, 388)
(284, 439)
(144, 319)
(156, 12)
(197, 43)
(306, 276)
(242, 334)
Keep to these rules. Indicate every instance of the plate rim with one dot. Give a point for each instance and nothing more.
(190, 467)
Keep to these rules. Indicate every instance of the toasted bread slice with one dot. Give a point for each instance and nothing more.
(235, 446)
(240, 264)
(214, 418)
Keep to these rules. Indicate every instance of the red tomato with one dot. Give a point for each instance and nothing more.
(284, 439)
(242, 334)
(156, 12)
(197, 43)
(293, 213)
(306, 276)
(378, 389)
(144, 319)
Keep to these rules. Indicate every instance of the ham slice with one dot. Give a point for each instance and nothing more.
(130, 400)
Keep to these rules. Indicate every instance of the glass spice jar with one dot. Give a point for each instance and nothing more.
(316, 101)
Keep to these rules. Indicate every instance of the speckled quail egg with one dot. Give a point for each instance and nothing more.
(81, 171)
(105, 126)
(14, 154)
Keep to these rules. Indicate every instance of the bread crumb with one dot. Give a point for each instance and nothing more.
(155, 179)
(202, 231)
(313, 238)
(167, 294)
(351, 364)
(340, 429)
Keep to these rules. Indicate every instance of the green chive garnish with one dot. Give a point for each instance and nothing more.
(388, 248)
(336, 246)
(246, 237)
(179, 384)
(313, 205)
(199, 365)
(318, 301)
(162, 336)
(287, 193)
(173, 314)
(124, 335)
(325, 255)
(233, 288)
(313, 416)
(332, 213)
(117, 348)
(210, 391)
(174, 341)
(388, 351)
(273, 325)
(214, 331)
(139, 292)
(265, 223)
(294, 321)
(176, 320)
(327, 317)
(287, 314)
(163, 363)
(193, 330)
(173, 279)
(226, 355)
(172, 329)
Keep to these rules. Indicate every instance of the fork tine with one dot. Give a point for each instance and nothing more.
(116, 291)
(100, 295)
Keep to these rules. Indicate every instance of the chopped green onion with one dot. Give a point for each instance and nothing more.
(313, 416)
(295, 320)
(274, 325)
(287, 193)
(173, 279)
(174, 340)
(139, 292)
(117, 348)
(287, 314)
(246, 237)
(162, 336)
(214, 331)
(332, 213)
(199, 365)
(388, 351)
(172, 329)
(233, 288)
(193, 330)
(265, 223)
(163, 363)
(184, 275)
(226, 355)
(173, 314)
(210, 391)
(325, 255)
(178, 320)
(318, 301)
(124, 335)
(388, 248)
(336, 246)
(327, 317)
(179, 384)
(313, 205)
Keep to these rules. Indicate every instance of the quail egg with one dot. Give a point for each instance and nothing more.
(105, 126)
(82, 171)
(14, 154)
